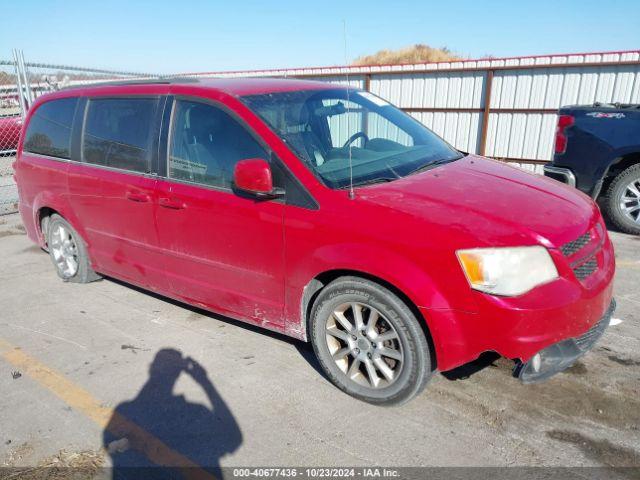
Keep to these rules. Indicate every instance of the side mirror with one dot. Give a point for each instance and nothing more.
(253, 176)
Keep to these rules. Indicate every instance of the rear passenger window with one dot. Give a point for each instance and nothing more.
(206, 144)
(49, 130)
(117, 133)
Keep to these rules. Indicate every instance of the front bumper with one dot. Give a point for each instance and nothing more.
(562, 355)
(519, 327)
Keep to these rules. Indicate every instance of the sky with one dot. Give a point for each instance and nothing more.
(194, 36)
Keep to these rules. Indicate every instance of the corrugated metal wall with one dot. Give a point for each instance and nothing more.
(438, 91)
(524, 94)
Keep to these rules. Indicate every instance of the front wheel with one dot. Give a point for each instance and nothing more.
(369, 343)
(623, 200)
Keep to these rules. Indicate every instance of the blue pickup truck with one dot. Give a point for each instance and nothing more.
(597, 149)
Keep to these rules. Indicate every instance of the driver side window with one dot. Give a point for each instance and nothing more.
(206, 143)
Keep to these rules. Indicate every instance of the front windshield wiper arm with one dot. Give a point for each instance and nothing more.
(372, 181)
(435, 163)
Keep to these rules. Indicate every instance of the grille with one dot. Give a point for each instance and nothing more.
(585, 269)
(586, 341)
(573, 247)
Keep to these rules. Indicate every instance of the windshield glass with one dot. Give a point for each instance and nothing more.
(327, 127)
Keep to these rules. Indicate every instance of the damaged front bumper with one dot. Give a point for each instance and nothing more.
(562, 355)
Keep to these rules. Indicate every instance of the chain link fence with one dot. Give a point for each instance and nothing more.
(20, 84)
(10, 124)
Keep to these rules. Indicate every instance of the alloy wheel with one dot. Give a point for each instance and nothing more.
(65, 251)
(630, 201)
(364, 345)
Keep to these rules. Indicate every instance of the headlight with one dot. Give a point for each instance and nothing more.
(507, 271)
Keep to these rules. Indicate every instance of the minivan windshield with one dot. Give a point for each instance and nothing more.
(340, 132)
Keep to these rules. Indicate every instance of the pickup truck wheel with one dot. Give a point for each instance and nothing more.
(623, 200)
(369, 343)
(68, 252)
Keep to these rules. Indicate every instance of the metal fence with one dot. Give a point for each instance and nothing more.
(21, 83)
(502, 107)
(10, 123)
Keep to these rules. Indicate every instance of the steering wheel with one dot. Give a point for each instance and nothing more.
(354, 137)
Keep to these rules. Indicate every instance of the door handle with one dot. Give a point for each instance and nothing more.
(137, 197)
(171, 203)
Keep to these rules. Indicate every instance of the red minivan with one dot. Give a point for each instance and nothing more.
(322, 212)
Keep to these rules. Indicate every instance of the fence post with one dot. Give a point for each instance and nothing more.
(27, 84)
(486, 111)
(367, 82)
(23, 109)
(25, 96)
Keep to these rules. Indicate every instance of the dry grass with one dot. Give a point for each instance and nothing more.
(419, 53)
(64, 465)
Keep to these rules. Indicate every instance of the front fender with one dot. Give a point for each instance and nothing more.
(382, 263)
(419, 286)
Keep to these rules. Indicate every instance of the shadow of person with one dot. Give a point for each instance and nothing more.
(161, 435)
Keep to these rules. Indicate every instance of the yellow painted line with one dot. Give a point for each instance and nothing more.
(106, 418)
(627, 264)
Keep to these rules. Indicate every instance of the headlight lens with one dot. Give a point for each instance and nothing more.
(507, 271)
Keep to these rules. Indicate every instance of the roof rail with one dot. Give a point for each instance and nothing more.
(140, 81)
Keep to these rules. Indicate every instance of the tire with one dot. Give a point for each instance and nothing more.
(44, 228)
(68, 252)
(620, 189)
(396, 331)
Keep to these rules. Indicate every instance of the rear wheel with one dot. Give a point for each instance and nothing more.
(623, 200)
(44, 228)
(369, 343)
(68, 252)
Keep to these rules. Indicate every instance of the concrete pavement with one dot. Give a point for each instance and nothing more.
(274, 407)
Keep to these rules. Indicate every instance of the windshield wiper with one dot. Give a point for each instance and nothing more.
(372, 181)
(435, 163)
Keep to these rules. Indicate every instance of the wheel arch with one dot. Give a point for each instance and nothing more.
(46, 204)
(42, 214)
(320, 281)
(619, 164)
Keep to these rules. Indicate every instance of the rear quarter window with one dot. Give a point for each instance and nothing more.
(117, 133)
(49, 130)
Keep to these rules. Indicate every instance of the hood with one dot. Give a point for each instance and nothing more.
(489, 203)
